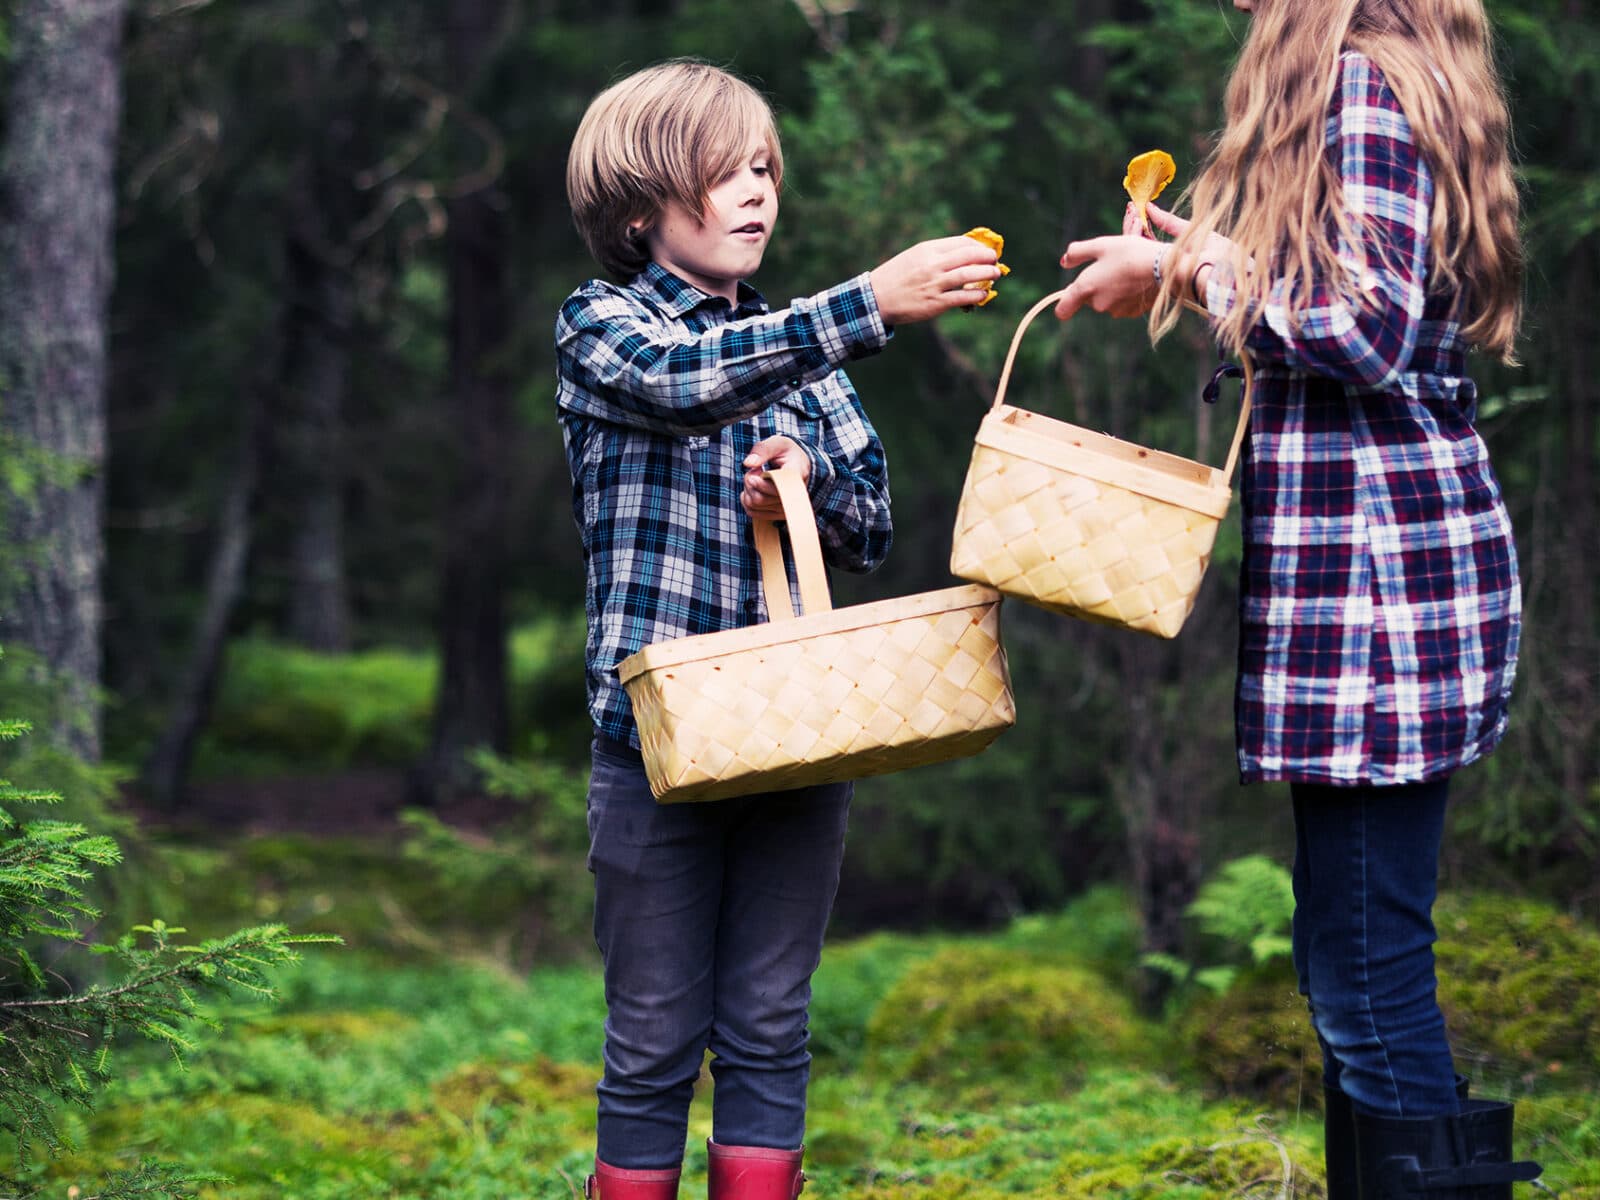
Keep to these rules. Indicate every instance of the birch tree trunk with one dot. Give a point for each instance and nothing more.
(57, 208)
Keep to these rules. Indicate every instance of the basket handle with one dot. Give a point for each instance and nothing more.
(1244, 405)
(802, 523)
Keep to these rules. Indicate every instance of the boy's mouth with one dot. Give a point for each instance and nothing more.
(752, 227)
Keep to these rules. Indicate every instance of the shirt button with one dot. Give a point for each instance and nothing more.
(794, 383)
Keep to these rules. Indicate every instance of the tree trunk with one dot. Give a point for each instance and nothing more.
(1576, 626)
(166, 771)
(57, 210)
(471, 709)
(322, 210)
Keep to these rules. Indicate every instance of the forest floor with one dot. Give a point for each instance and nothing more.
(356, 802)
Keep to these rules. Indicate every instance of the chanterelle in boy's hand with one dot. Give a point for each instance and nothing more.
(932, 277)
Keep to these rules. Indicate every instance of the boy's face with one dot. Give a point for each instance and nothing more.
(716, 252)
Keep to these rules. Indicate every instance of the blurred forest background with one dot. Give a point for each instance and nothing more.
(291, 589)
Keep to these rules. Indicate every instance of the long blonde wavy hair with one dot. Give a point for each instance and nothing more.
(1270, 188)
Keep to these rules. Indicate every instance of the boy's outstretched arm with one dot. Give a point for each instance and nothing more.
(630, 368)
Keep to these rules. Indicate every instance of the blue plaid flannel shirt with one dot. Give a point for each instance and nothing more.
(662, 391)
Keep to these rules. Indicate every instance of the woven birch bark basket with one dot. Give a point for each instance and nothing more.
(821, 697)
(1086, 524)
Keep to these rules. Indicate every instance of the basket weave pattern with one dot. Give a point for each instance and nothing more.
(819, 698)
(1079, 546)
(862, 702)
(1085, 524)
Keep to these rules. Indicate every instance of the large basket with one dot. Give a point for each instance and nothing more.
(1086, 524)
(823, 697)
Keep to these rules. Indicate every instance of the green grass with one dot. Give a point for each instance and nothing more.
(434, 1078)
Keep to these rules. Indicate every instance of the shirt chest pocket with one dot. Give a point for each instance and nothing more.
(798, 415)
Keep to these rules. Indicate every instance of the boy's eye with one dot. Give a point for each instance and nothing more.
(761, 168)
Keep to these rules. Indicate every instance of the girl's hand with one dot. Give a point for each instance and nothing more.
(760, 494)
(1215, 249)
(1118, 276)
(931, 278)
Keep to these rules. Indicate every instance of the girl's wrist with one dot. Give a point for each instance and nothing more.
(1196, 286)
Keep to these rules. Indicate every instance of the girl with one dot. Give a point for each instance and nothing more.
(1354, 233)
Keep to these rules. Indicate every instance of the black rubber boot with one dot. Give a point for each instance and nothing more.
(1339, 1144)
(1339, 1139)
(1464, 1157)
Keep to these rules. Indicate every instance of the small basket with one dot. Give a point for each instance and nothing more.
(1086, 524)
(819, 698)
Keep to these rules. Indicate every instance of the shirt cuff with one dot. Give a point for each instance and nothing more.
(822, 472)
(1219, 289)
(848, 323)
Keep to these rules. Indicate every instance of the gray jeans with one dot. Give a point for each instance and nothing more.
(709, 918)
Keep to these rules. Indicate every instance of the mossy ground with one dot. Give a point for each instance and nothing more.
(377, 1077)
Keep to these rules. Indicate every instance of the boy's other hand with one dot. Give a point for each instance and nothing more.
(931, 278)
(760, 494)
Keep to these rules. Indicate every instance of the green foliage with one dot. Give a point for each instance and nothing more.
(285, 709)
(1520, 985)
(56, 1044)
(1245, 913)
(388, 895)
(447, 1079)
(986, 1020)
(1253, 1039)
(1099, 929)
(849, 986)
(536, 860)
(885, 118)
(294, 706)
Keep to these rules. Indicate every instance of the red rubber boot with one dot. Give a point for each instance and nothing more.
(753, 1173)
(616, 1183)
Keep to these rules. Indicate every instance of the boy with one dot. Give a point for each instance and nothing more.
(677, 388)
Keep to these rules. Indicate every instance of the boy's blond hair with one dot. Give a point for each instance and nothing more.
(670, 132)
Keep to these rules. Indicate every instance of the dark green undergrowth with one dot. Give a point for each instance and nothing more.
(284, 710)
(1002, 1065)
(378, 896)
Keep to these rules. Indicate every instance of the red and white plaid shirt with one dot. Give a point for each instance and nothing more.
(1380, 607)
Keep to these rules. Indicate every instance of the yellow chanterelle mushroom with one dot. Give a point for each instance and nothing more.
(996, 243)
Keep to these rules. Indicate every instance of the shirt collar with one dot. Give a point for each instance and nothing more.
(679, 297)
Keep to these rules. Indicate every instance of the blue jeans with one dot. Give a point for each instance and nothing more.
(709, 918)
(1365, 876)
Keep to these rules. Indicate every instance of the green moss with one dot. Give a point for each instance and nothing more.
(853, 978)
(1519, 982)
(997, 1021)
(1255, 1040)
(328, 1032)
(1245, 1164)
(534, 1086)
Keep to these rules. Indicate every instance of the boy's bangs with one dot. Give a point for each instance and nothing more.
(725, 136)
